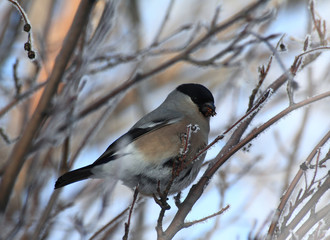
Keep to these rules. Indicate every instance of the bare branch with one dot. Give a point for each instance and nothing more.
(138, 77)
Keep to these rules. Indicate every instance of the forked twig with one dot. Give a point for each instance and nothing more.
(188, 224)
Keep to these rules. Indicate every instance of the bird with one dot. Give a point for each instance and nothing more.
(165, 149)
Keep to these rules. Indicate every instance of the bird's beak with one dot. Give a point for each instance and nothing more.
(208, 109)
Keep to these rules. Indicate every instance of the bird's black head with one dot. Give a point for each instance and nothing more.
(201, 96)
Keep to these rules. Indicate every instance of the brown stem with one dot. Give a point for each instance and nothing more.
(127, 225)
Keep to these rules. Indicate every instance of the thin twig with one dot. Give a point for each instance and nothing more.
(162, 26)
(111, 222)
(22, 217)
(294, 148)
(317, 24)
(188, 224)
(127, 225)
(262, 75)
(215, 17)
(18, 84)
(52, 201)
(280, 62)
(21, 97)
(4, 136)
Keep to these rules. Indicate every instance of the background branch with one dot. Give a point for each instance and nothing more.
(21, 149)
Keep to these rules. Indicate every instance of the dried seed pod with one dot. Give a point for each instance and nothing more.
(31, 54)
(27, 46)
(27, 27)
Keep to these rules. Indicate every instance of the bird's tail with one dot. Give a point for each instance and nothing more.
(74, 176)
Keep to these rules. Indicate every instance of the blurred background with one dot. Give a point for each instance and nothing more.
(126, 38)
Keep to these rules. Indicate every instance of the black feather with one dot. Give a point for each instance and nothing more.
(201, 96)
(197, 92)
(74, 176)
